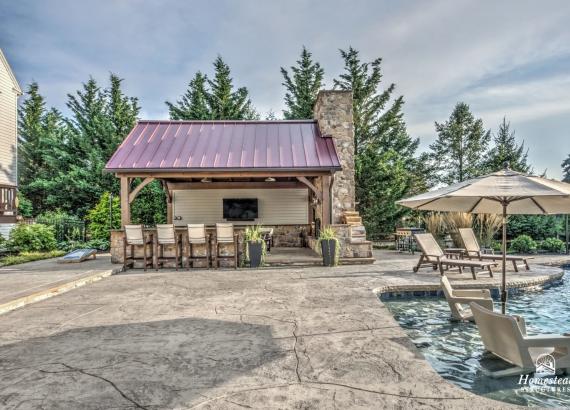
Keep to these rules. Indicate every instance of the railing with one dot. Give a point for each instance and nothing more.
(7, 200)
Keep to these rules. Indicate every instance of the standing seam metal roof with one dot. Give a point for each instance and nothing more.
(219, 145)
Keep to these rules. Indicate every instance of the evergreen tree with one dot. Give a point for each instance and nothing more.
(39, 149)
(566, 169)
(213, 99)
(461, 146)
(506, 150)
(225, 103)
(385, 165)
(193, 105)
(302, 88)
(30, 144)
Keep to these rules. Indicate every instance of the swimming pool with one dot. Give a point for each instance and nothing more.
(455, 350)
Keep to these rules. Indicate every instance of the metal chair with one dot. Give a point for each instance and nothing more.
(224, 235)
(166, 235)
(197, 236)
(134, 236)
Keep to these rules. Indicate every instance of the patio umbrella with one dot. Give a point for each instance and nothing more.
(505, 192)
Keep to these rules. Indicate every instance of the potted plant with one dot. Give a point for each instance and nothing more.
(329, 246)
(255, 246)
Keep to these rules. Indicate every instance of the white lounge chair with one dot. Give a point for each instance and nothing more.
(505, 337)
(433, 255)
(473, 250)
(458, 298)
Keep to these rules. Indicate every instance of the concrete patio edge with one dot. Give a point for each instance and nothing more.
(54, 290)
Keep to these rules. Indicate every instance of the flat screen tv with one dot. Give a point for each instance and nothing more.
(240, 209)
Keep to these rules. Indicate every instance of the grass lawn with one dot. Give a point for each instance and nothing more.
(29, 257)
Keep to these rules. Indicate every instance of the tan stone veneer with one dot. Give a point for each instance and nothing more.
(333, 111)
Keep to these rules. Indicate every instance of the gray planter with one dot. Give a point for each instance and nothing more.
(328, 249)
(255, 252)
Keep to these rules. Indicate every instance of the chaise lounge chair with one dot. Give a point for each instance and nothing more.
(473, 250)
(458, 298)
(433, 255)
(505, 337)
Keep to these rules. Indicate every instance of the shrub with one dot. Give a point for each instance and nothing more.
(2, 241)
(99, 244)
(66, 227)
(523, 244)
(98, 217)
(32, 238)
(553, 245)
(25, 207)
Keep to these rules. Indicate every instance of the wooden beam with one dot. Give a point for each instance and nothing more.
(177, 186)
(125, 205)
(138, 188)
(312, 187)
(326, 205)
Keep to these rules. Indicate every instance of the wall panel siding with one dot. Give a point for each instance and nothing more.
(276, 206)
(8, 121)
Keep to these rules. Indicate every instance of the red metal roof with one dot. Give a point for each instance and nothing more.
(224, 145)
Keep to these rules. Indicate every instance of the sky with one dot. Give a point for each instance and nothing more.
(504, 58)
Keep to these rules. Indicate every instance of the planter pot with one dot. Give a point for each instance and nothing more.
(328, 249)
(255, 252)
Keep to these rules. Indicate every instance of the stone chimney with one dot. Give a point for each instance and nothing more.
(333, 111)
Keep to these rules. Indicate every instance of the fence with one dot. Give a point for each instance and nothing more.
(66, 229)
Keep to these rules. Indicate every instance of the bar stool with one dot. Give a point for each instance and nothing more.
(134, 236)
(197, 236)
(166, 235)
(225, 234)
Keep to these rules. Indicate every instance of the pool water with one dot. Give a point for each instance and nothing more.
(455, 350)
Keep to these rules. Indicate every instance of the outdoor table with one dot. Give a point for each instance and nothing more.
(454, 253)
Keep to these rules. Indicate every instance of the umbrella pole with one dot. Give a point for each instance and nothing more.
(504, 278)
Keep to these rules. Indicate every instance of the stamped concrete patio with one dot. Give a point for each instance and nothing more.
(310, 338)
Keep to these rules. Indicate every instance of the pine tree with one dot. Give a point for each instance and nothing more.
(302, 88)
(506, 150)
(461, 146)
(386, 167)
(30, 138)
(213, 99)
(122, 112)
(193, 105)
(225, 103)
(566, 169)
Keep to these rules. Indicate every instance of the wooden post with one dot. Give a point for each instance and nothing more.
(326, 201)
(168, 209)
(125, 205)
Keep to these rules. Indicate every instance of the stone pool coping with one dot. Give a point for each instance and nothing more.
(427, 289)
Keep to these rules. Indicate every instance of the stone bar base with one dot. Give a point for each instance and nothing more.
(283, 236)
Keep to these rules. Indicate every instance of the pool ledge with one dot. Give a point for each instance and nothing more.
(549, 275)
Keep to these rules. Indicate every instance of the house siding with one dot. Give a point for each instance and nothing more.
(276, 206)
(8, 128)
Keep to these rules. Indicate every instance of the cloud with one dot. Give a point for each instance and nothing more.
(503, 58)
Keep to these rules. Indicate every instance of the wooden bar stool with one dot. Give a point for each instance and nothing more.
(197, 236)
(134, 236)
(225, 234)
(166, 235)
